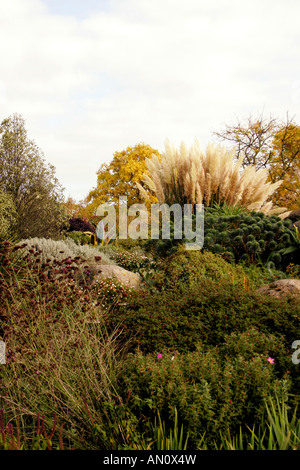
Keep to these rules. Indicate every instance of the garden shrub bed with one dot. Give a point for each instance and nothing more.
(195, 339)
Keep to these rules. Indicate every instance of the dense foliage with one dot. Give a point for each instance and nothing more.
(119, 178)
(244, 236)
(8, 216)
(252, 237)
(30, 182)
(80, 225)
(196, 340)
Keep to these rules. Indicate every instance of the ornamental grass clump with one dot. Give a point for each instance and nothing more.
(58, 354)
(191, 176)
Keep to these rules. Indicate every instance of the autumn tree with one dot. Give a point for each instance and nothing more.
(30, 182)
(120, 178)
(75, 209)
(286, 166)
(271, 144)
(8, 216)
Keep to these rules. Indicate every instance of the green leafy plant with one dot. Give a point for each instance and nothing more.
(280, 432)
(294, 248)
(79, 237)
(213, 391)
(188, 267)
(172, 440)
(204, 312)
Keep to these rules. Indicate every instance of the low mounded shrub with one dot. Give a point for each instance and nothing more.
(189, 267)
(63, 249)
(213, 390)
(181, 320)
(178, 320)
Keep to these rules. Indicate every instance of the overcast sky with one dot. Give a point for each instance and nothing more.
(93, 77)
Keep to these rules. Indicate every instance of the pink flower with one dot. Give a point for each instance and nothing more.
(271, 360)
(159, 356)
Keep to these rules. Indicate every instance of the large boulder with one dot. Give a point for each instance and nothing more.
(125, 277)
(281, 288)
(294, 216)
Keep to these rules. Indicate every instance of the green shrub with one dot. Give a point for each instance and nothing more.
(188, 267)
(251, 237)
(80, 238)
(129, 243)
(212, 392)
(180, 319)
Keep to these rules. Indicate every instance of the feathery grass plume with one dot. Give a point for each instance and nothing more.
(142, 191)
(199, 196)
(207, 190)
(188, 176)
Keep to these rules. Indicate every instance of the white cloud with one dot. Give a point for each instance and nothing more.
(142, 71)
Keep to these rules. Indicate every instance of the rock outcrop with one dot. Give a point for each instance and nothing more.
(125, 277)
(281, 288)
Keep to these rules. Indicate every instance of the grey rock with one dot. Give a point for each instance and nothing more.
(281, 288)
(125, 277)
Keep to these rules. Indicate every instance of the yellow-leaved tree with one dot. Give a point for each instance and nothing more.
(120, 177)
(286, 166)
